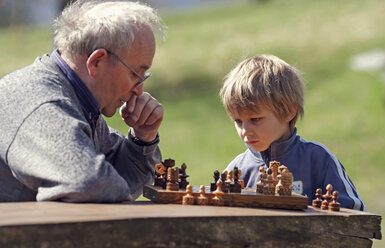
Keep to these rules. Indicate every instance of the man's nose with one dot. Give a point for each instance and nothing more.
(138, 90)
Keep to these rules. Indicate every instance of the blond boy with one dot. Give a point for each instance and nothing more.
(264, 96)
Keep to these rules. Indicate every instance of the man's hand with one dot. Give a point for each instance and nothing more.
(143, 114)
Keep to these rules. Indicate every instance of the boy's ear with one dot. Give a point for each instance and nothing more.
(293, 113)
(96, 60)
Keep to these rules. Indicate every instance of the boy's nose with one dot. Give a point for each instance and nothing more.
(246, 130)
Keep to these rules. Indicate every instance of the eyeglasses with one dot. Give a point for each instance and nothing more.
(141, 79)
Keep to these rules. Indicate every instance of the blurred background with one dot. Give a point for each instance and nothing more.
(339, 45)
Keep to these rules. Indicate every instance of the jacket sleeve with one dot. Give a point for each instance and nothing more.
(53, 153)
(336, 175)
(133, 162)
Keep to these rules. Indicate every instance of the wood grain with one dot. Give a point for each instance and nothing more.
(136, 224)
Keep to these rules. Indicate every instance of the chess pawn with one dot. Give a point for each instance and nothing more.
(327, 197)
(202, 198)
(334, 205)
(269, 188)
(188, 199)
(217, 200)
(262, 177)
(317, 202)
(213, 185)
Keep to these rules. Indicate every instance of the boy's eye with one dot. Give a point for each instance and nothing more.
(256, 119)
(238, 122)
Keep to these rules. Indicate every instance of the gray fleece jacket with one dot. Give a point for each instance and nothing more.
(49, 152)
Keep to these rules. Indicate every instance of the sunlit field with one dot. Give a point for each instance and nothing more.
(344, 109)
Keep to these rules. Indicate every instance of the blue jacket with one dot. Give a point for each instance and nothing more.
(312, 165)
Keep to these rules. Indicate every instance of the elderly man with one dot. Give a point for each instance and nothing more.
(54, 143)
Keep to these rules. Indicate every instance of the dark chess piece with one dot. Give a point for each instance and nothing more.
(225, 186)
(334, 205)
(235, 186)
(327, 197)
(213, 185)
(317, 202)
(182, 175)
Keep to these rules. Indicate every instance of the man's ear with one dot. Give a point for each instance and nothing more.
(96, 60)
(292, 114)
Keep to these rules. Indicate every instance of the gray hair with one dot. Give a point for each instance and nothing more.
(86, 25)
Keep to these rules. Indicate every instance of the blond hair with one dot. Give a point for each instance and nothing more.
(264, 80)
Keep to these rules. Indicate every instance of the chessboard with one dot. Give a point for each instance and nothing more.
(272, 191)
(247, 198)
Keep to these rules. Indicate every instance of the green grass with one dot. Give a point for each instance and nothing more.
(344, 109)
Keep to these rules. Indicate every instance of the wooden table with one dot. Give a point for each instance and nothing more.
(145, 224)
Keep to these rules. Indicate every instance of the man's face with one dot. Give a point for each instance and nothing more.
(260, 129)
(119, 81)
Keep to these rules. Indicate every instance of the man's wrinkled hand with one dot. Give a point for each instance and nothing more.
(144, 115)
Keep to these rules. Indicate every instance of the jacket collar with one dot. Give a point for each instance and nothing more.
(276, 149)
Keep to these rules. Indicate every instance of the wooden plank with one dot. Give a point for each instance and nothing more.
(247, 198)
(145, 224)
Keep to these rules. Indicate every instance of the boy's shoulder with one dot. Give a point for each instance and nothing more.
(314, 149)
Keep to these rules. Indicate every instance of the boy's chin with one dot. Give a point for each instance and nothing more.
(257, 148)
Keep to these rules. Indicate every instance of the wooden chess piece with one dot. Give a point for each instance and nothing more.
(285, 182)
(213, 185)
(224, 186)
(217, 200)
(202, 198)
(182, 175)
(241, 181)
(274, 167)
(334, 205)
(327, 197)
(317, 202)
(188, 199)
(230, 176)
(235, 186)
(269, 188)
(160, 172)
(172, 179)
(167, 163)
(262, 177)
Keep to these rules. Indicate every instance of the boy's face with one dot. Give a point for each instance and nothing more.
(260, 129)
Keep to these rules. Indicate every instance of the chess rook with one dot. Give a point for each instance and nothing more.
(172, 179)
